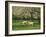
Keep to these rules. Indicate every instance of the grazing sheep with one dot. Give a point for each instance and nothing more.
(27, 23)
(24, 22)
(31, 23)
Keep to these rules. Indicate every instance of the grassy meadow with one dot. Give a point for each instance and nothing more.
(18, 25)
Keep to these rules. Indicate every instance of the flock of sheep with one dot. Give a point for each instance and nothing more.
(28, 23)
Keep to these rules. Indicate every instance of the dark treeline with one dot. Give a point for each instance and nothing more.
(17, 18)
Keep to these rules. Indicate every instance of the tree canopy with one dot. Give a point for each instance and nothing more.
(26, 12)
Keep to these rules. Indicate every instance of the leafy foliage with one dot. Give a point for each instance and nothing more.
(26, 12)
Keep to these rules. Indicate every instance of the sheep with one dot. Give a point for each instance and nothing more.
(31, 23)
(24, 22)
(27, 23)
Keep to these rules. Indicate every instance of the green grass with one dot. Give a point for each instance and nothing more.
(17, 25)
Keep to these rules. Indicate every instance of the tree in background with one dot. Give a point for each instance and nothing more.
(26, 12)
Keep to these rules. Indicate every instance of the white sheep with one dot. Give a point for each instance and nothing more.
(31, 23)
(24, 22)
(28, 22)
